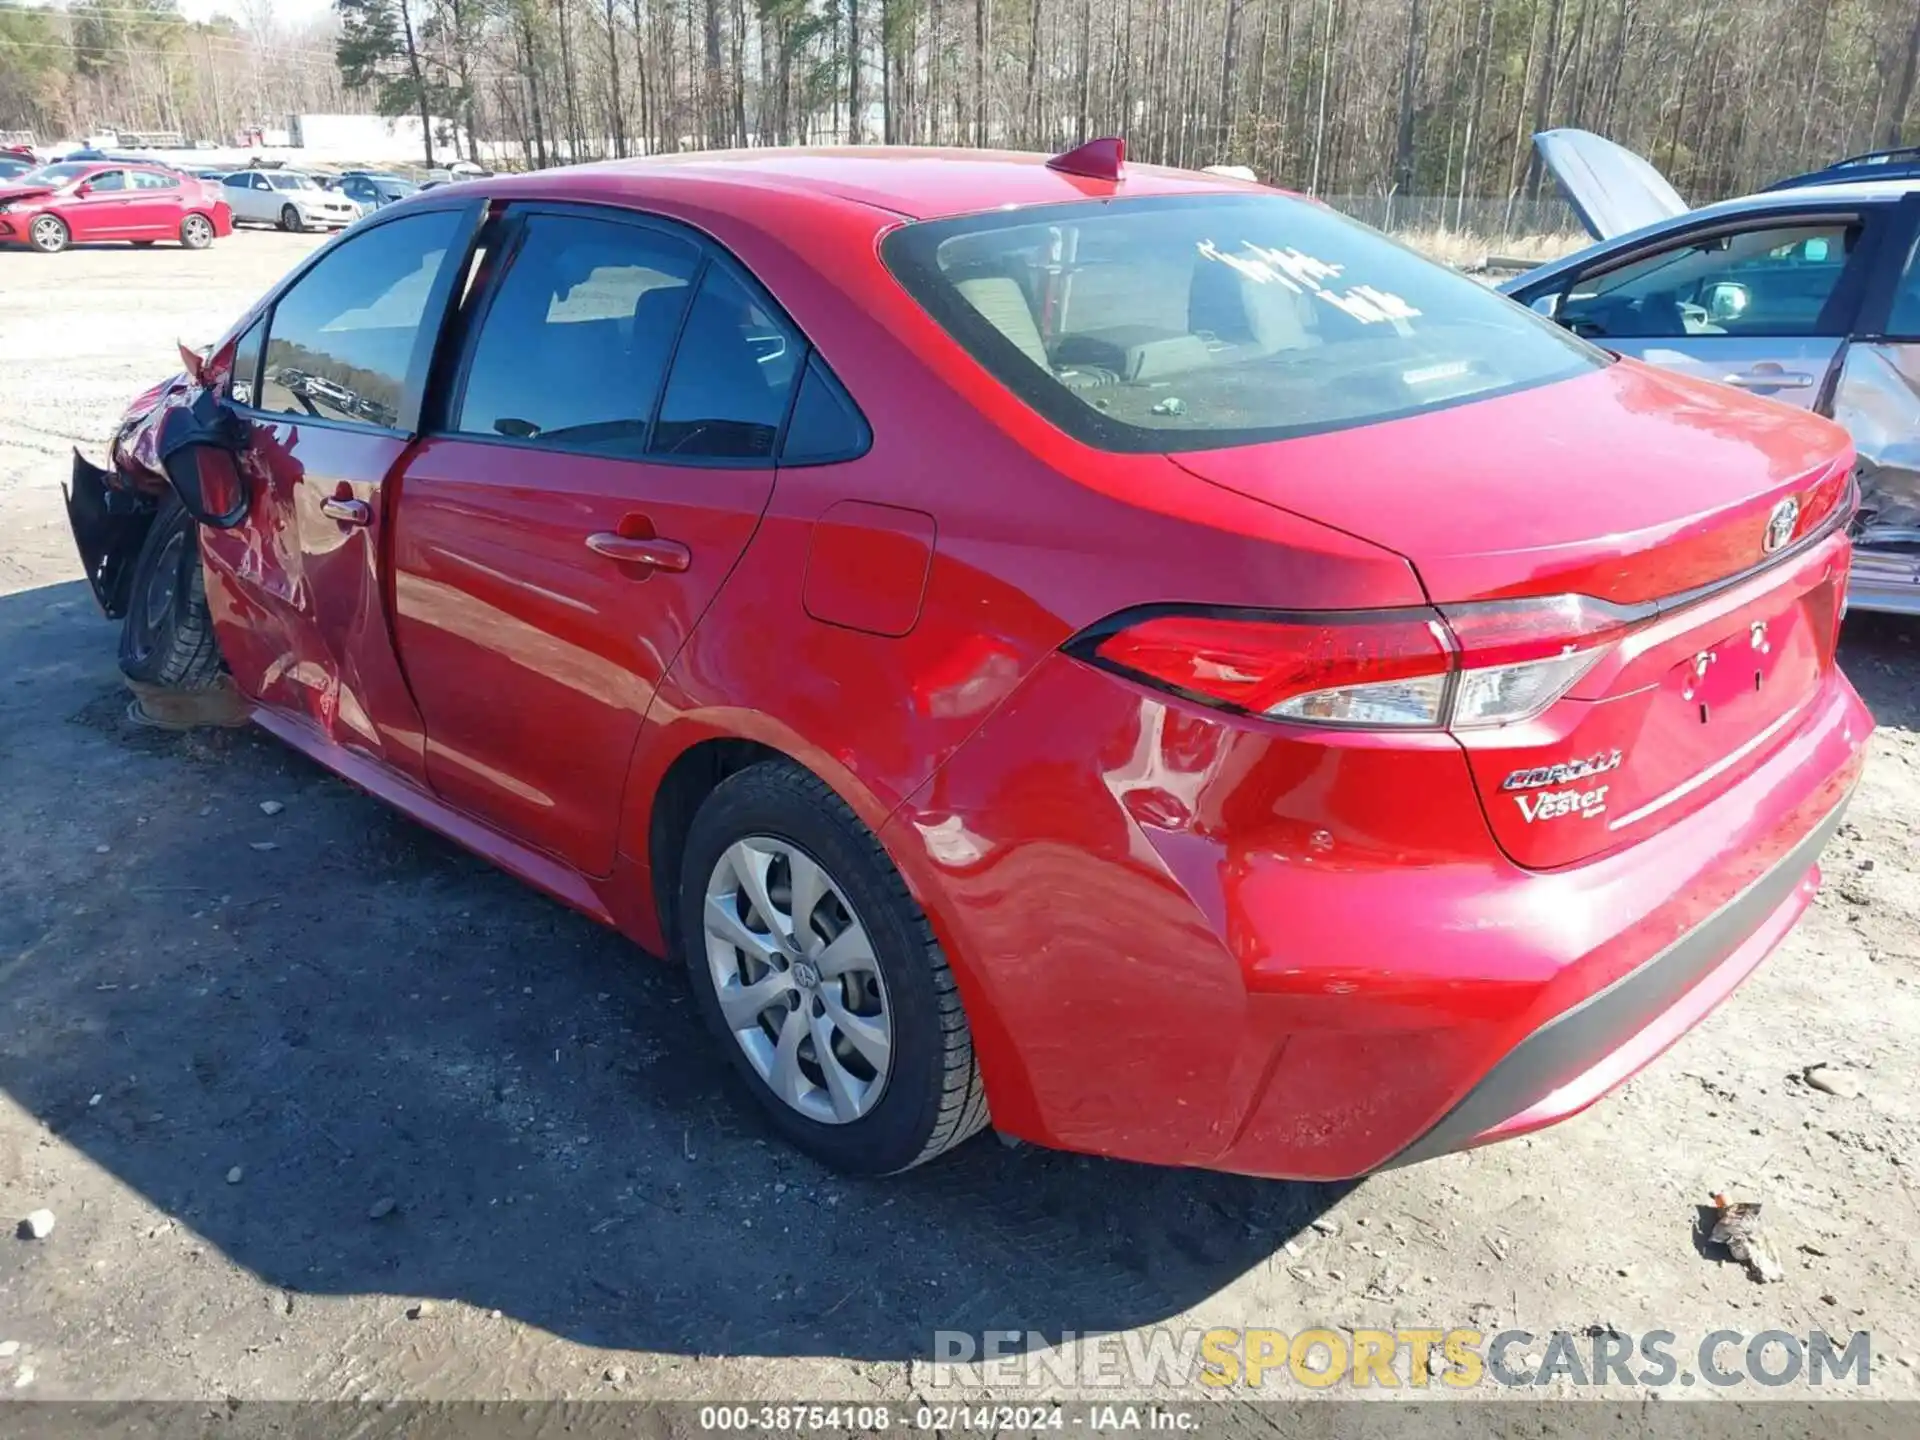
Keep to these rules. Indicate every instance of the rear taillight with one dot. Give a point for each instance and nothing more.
(1456, 667)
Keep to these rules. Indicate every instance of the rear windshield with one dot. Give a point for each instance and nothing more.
(1188, 324)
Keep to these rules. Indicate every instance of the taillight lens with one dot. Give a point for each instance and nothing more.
(1456, 667)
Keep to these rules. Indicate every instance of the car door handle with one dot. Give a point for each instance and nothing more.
(648, 550)
(1768, 379)
(347, 511)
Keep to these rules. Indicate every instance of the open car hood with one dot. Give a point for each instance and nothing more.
(23, 192)
(1611, 189)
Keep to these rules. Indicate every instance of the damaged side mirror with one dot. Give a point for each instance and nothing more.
(200, 448)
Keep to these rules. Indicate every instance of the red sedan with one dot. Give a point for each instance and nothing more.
(1122, 654)
(88, 200)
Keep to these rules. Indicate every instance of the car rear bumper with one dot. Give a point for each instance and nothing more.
(1240, 957)
(1588, 1049)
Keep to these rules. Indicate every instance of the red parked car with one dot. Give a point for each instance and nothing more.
(1122, 652)
(87, 200)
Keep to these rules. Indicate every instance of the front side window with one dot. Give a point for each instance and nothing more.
(243, 383)
(1776, 281)
(343, 339)
(1186, 324)
(573, 345)
(107, 181)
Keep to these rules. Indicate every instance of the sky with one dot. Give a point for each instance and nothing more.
(290, 12)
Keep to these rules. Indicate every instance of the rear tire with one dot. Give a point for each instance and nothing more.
(196, 232)
(290, 218)
(167, 638)
(49, 234)
(926, 1096)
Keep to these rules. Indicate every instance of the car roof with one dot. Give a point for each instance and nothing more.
(916, 183)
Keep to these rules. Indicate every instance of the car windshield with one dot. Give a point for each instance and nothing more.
(1187, 324)
(292, 182)
(58, 174)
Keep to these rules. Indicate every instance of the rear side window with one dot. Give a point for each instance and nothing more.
(826, 425)
(572, 348)
(732, 375)
(343, 338)
(151, 180)
(1186, 324)
(1903, 321)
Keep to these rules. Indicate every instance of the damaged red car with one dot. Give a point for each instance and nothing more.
(1121, 655)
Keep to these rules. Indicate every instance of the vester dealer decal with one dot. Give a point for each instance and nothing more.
(1557, 804)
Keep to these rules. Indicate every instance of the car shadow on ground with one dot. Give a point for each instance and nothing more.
(362, 1016)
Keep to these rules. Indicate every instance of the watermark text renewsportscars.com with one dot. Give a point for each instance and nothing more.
(1417, 1358)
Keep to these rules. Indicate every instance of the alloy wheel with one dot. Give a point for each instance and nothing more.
(49, 234)
(798, 984)
(195, 232)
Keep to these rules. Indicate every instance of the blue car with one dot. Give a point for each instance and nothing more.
(1807, 292)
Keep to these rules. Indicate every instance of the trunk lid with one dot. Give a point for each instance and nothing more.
(1611, 189)
(1648, 491)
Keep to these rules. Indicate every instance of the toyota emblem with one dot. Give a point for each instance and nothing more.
(1780, 525)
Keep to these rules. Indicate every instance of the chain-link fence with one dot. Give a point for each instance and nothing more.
(1491, 218)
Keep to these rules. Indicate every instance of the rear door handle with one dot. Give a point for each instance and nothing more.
(346, 511)
(649, 550)
(1768, 379)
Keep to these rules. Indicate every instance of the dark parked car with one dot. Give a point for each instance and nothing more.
(373, 191)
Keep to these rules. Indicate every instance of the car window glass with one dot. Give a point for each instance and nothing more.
(825, 425)
(1903, 321)
(1773, 281)
(1168, 323)
(732, 374)
(238, 182)
(244, 381)
(106, 180)
(341, 341)
(573, 344)
(148, 180)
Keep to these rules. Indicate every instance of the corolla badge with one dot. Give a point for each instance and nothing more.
(1542, 776)
(1780, 525)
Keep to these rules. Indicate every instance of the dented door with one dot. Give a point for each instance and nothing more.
(328, 384)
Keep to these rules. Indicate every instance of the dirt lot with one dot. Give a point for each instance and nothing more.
(226, 1036)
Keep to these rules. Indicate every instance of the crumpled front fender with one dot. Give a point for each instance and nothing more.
(110, 510)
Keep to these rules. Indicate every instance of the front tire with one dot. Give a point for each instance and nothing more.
(290, 218)
(49, 234)
(196, 232)
(821, 978)
(167, 637)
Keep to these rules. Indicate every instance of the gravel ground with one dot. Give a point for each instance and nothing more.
(227, 1038)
